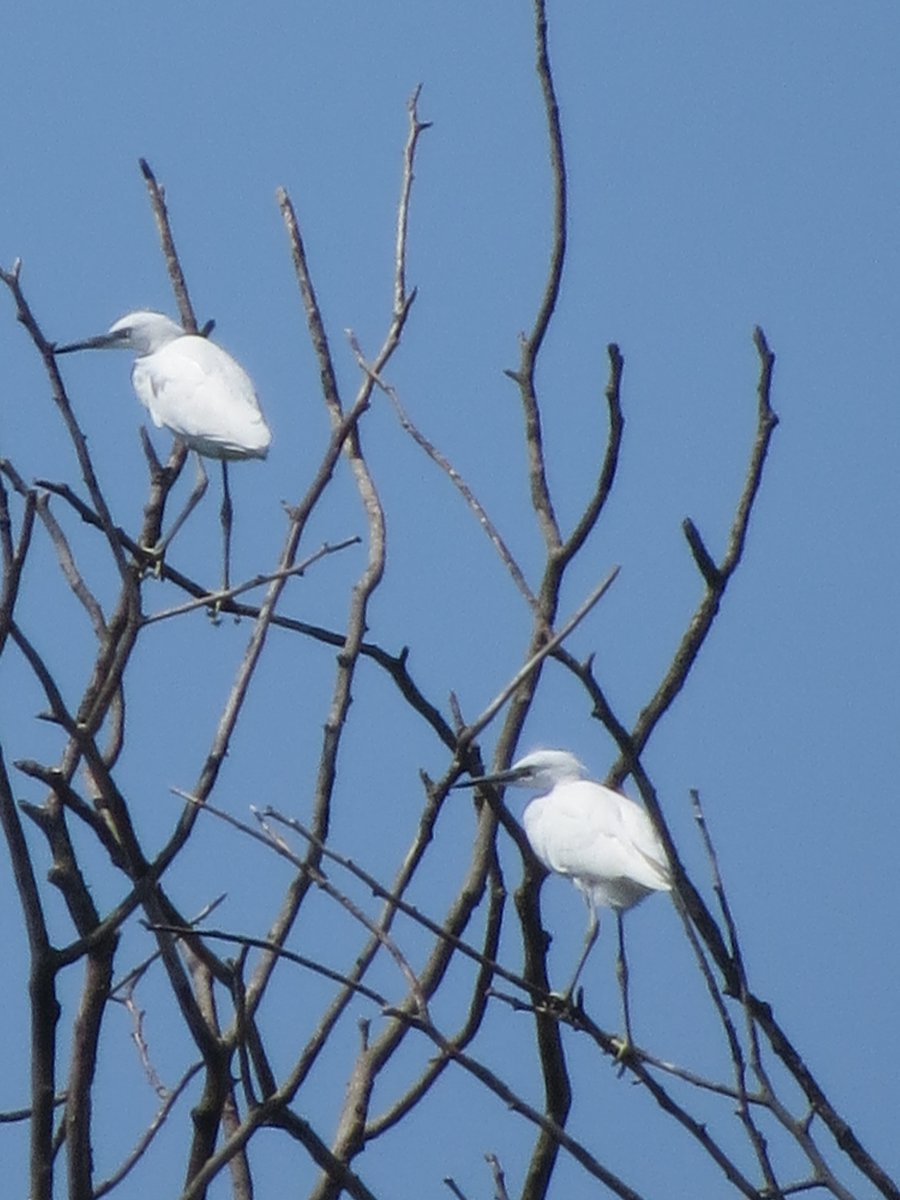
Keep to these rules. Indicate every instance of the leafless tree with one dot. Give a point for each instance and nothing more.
(245, 1077)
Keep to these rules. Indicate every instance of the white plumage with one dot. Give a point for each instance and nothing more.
(189, 385)
(598, 838)
(601, 840)
(193, 388)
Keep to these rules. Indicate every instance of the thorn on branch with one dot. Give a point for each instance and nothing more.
(412, 107)
(36, 813)
(500, 1192)
(459, 723)
(702, 557)
(155, 466)
(762, 345)
(767, 364)
(614, 385)
(452, 1185)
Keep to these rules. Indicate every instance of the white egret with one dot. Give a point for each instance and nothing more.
(604, 842)
(198, 392)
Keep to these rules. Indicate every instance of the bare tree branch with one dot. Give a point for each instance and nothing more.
(86, 857)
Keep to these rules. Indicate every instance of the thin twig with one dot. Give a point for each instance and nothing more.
(475, 727)
(500, 1192)
(441, 461)
(258, 943)
(219, 597)
(157, 197)
(716, 576)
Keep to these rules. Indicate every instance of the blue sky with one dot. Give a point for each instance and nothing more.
(726, 168)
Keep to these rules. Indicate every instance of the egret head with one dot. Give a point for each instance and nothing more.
(541, 769)
(142, 331)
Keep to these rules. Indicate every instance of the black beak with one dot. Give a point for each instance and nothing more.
(104, 341)
(500, 777)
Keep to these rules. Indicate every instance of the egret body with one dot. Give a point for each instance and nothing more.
(193, 388)
(601, 840)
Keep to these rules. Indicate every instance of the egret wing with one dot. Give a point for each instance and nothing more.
(600, 839)
(196, 390)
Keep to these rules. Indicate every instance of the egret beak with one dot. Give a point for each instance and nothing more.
(509, 776)
(104, 341)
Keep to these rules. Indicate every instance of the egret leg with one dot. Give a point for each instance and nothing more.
(622, 976)
(226, 514)
(200, 486)
(589, 938)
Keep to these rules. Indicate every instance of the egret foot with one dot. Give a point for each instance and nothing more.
(558, 1002)
(624, 1051)
(152, 563)
(572, 998)
(214, 608)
